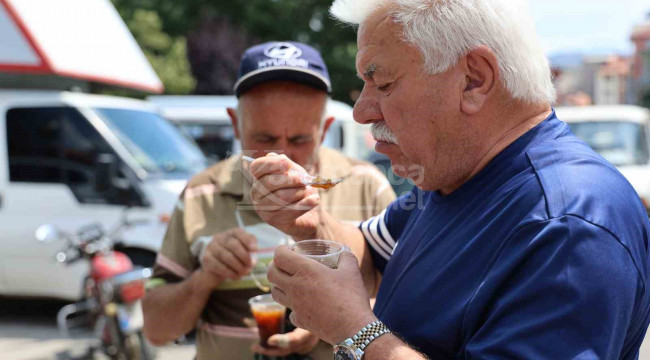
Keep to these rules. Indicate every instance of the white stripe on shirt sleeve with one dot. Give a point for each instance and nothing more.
(384, 231)
(383, 243)
(374, 231)
(385, 235)
(372, 242)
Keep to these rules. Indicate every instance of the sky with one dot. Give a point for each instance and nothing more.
(587, 26)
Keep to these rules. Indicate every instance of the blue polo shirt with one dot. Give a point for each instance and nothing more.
(542, 255)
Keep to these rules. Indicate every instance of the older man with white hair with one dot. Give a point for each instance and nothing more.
(519, 242)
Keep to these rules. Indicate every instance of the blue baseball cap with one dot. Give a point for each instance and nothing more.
(287, 60)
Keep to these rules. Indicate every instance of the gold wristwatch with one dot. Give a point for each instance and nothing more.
(353, 348)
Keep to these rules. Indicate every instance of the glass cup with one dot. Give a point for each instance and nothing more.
(326, 252)
(269, 316)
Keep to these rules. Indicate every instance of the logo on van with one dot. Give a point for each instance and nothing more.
(283, 51)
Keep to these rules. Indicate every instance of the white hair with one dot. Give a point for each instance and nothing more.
(381, 132)
(445, 30)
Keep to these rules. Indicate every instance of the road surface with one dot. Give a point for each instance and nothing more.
(28, 332)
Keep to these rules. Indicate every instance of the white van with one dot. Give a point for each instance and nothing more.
(70, 159)
(204, 118)
(621, 134)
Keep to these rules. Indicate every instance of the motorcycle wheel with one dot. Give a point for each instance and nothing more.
(138, 348)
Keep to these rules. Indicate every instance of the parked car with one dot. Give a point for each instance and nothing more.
(70, 159)
(621, 134)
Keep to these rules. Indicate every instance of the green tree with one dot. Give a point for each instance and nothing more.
(252, 21)
(307, 21)
(167, 54)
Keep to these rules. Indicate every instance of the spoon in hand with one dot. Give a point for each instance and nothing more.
(314, 181)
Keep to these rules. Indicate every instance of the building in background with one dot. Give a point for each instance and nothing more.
(610, 79)
(593, 80)
(641, 66)
(612, 82)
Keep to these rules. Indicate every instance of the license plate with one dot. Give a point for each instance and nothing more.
(130, 317)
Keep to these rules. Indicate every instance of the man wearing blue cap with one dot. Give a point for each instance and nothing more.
(203, 271)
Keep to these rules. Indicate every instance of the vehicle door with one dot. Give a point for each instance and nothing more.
(53, 155)
(4, 178)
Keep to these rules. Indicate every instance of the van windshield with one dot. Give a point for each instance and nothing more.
(620, 142)
(214, 139)
(155, 144)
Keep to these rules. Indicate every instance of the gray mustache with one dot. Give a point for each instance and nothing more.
(381, 132)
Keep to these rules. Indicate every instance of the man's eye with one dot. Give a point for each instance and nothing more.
(384, 87)
(301, 141)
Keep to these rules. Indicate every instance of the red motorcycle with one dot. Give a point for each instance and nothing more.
(112, 291)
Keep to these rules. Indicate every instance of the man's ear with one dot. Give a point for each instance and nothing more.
(234, 120)
(481, 71)
(326, 126)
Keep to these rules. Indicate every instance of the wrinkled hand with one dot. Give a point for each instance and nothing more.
(280, 197)
(331, 303)
(298, 341)
(228, 255)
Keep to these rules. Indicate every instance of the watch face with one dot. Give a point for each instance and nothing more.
(343, 353)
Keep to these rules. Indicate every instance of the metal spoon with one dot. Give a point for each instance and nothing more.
(315, 181)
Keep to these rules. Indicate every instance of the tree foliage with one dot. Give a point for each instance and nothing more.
(167, 54)
(218, 31)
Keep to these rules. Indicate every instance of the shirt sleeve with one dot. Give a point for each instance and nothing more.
(175, 260)
(560, 289)
(382, 232)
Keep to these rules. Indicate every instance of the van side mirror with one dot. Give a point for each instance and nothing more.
(105, 172)
(111, 186)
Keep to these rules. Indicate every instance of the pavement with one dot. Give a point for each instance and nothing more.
(28, 332)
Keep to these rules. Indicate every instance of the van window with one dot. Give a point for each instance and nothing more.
(213, 139)
(57, 145)
(33, 145)
(155, 144)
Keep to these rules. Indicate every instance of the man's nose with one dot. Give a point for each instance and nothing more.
(282, 146)
(366, 109)
(291, 153)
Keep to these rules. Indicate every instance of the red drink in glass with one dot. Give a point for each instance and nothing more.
(269, 316)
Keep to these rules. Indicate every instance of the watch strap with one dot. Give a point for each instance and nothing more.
(369, 333)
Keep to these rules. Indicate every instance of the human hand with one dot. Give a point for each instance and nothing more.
(282, 199)
(228, 256)
(331, 303)
(299, 341)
